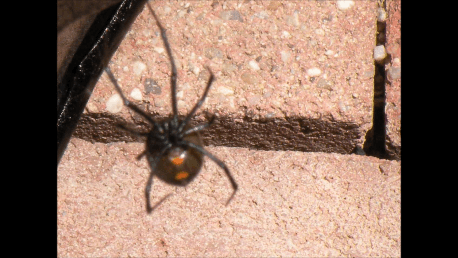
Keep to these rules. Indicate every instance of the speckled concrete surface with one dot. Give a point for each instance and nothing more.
(304, 68)
(289, 204)
(280, 66)
(393, 85)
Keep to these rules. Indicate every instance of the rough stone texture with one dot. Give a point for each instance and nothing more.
(291, 75)
(260, 53)
(289, 204)
(393, 84)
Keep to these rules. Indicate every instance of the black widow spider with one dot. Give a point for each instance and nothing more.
(173, 150)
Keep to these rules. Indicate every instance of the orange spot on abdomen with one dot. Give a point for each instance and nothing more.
(177, 161)
(181, 175)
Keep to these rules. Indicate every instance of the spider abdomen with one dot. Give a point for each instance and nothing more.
(179, 164)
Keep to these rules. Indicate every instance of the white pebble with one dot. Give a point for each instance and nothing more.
(196, 70)
(262, 15)
(159, 50)
(319, 32)
(342, 106)
(136, 94)
(344, 4)
(329, 53)
(114, 104)
(285, 34)
(313, 72)
(139, 67)
(293, 19)
(285, 55)
(379, 53)
(225, 91)
(180, 94)
(254, 65)
(381, 15)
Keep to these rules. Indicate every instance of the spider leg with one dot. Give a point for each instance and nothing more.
(128, 103)
(218, 162)
(173, 79)
(199, 127)
(150, 209)
(199, 103)
(153, 162)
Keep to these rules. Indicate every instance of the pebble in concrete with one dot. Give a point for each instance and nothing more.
(114, 104)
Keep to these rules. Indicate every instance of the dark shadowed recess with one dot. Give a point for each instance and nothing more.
(293, 133)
